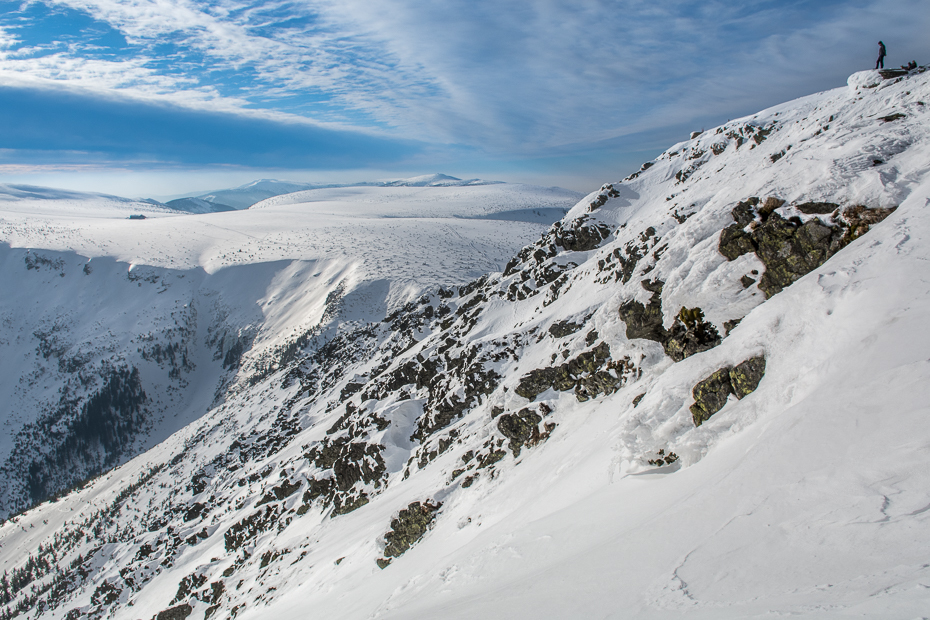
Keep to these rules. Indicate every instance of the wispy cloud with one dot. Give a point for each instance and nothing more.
(505, 77)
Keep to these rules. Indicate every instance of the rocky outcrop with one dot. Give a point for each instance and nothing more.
(590, 373)
(180, 612)
(645, 321)
(791, 248)
(407, 528)
(711, 393)
(689, 334)
(521, 428)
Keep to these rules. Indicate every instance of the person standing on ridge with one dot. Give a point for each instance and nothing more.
(881, 56)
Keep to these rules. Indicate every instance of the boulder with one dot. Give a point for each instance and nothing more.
(710, 395)
(690, 334)
(645, 321)
(745, 377)
(407, 528)
(521, 428)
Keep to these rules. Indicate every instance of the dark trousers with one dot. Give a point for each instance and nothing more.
(880, 62)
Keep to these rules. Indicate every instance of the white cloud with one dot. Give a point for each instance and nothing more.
(503, 75)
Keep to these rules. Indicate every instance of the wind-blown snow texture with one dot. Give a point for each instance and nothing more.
(527, 453)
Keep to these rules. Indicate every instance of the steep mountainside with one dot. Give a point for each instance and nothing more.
(704, 392)
(134, 328)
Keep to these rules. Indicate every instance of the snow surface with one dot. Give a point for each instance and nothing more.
(809, 497)
(245, 196)
(107, 290)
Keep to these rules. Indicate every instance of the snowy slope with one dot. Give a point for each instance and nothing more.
(244, 196)
(180, 298)
(527, 413)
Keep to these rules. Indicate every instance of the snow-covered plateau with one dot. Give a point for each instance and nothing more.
(704, 392)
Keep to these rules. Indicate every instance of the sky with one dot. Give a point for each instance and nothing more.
(162, 97)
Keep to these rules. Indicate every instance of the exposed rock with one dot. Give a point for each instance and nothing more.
(743, 213)
(860, 219)
(710, 394)
(768, 207)
(560, 329)
(817, 208)
(745, 377)
(734, 242)
(888, 74)
(663, 459)
(249, 528)
(645, 321)
(346, 504)
(179, 612)
(407, 528)
(589, 374)
(581, 236)
(521, 428)
(536, 382)
(690, 334)
(790, 248)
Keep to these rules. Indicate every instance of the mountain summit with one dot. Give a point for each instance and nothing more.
(702, 392)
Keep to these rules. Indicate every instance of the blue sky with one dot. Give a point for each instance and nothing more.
(156, 97)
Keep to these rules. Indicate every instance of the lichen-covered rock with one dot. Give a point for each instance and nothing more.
(590, 373)
(690, 334)
(521, 428)
(817, 208)
(710, 395)
(734, 242)
(536, 382)
(645, 321)
(745, 377)
(407, 528)
(179, 612)
(790, 248)
(560, 329)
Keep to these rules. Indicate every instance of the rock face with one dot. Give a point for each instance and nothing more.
(791, 248)
(745, 377)
(645, 321)
(176, 613)
(711, 393)
(407, 528)
(521, 428)
(689, 334)
(590, 373)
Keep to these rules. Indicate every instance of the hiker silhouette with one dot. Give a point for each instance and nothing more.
(881, 56)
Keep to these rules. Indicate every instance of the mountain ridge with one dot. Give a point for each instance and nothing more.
(527, 444)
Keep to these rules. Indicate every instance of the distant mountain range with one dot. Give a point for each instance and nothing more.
(245, 196)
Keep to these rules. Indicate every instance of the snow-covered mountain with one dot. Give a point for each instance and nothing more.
(122, 331)
(245, 196)
(703, 392)
(197, 205)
